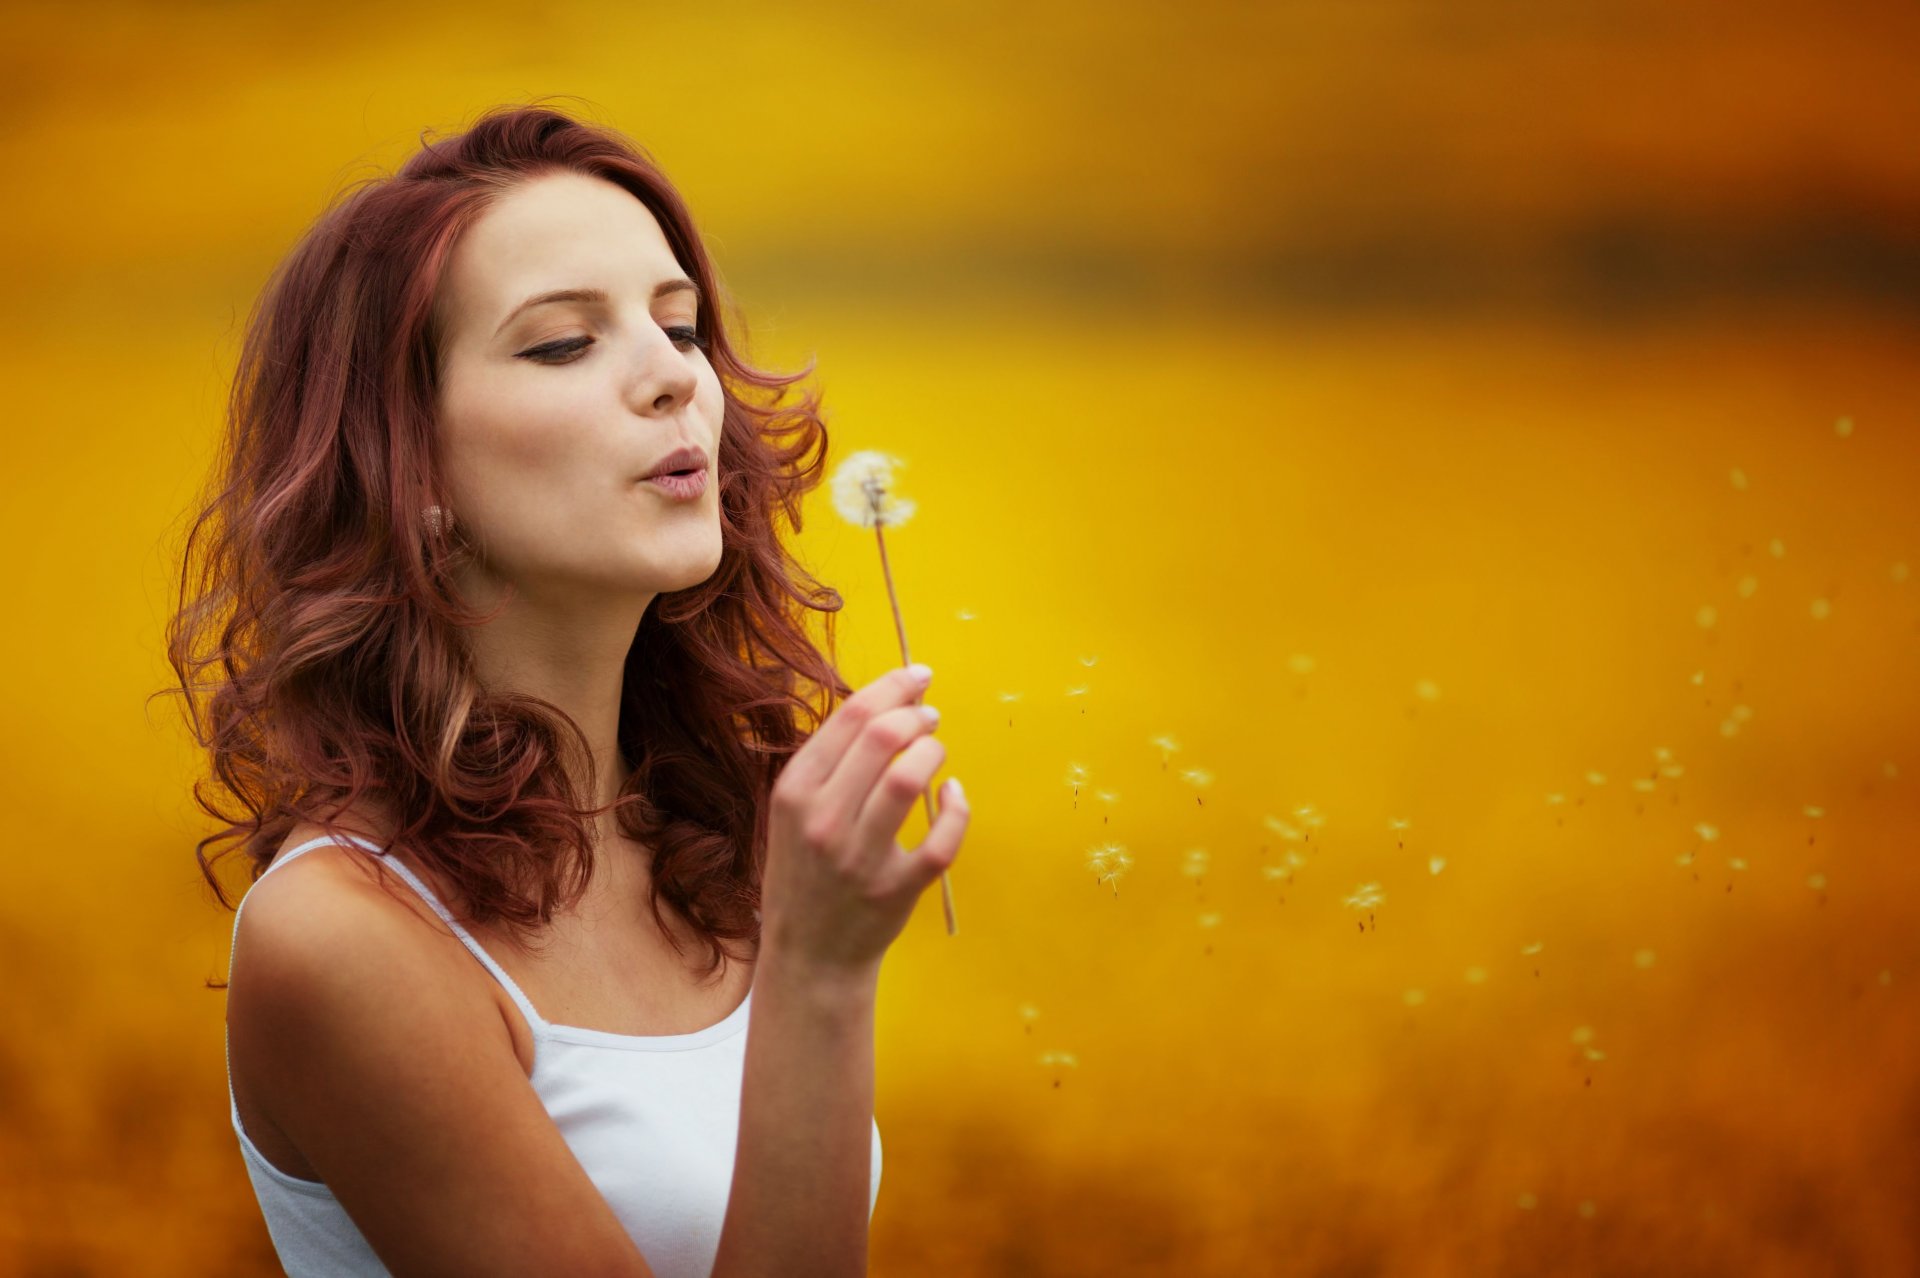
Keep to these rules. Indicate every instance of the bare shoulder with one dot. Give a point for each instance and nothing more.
(373, 1048)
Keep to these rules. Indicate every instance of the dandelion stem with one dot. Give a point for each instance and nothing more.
(900, 631)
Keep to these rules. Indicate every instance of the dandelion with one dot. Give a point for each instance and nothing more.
(1556, 798)
(1643, 785)
(1108, 862)
(1671, 770)
(1106, 796)
(863, 495)
(1398, 824)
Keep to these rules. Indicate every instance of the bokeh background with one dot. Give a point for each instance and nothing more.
(1416, 539)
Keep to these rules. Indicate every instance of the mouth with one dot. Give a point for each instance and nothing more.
(682, 484)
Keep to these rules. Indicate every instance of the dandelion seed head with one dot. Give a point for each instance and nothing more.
(1672, 770)
(1067, 1059)
(1741, 713)
(863, 490)
(1661, 754)
(1595, 1054)
(1273, 873)
(1196, 862)
(1293, 859)
(1398, 823)
(1076, 774)
(1556, 798)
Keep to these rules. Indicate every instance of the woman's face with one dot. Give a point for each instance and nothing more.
(549, 414)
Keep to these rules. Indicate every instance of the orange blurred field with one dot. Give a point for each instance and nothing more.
(1484, 456)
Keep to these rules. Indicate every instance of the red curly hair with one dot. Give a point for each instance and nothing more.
(318, 641)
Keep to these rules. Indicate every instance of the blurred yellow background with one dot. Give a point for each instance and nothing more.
(1452, 464)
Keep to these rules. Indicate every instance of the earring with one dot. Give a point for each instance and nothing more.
(437, 520)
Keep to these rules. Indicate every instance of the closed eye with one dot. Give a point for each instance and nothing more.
(573, 348)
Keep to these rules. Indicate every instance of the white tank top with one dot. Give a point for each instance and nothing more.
(653, 1119)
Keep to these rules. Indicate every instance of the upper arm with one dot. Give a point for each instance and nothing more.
(398, 1083)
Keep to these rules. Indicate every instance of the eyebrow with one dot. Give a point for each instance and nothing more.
(678, 284)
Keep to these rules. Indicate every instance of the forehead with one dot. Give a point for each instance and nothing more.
(554, 231)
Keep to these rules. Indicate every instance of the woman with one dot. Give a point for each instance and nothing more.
(489, 594)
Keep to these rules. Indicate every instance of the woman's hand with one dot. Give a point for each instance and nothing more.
(838, 889)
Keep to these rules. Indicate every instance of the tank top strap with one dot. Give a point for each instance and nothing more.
(534, 1019)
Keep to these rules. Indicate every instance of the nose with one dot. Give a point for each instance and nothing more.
(663, 376)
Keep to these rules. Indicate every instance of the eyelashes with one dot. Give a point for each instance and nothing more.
(573, 348)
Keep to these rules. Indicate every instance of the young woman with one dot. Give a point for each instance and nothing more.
(497, 653)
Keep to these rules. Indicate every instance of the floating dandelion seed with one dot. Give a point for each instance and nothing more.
(1698, 679)
(1414, 997)
(1739, 478)
(1817, 881)
(1535, 948)
(1365, 897)
(1108, 862)
(1898, 572)
(1706, 616)
(1029, 1013)
(1707, 833)
(1209, 920)
(1843, 427)
(1063, 1059)
(1777, 548)
(1272, 873)
(1009, 696)
(1435, 864)
(1166, 745)
(1643, 959)
(1106, 796)
(1300, 663)
(863, 495)
(1476, 976)
(1088, 661)
(1595, 1054)
(1814, 812)
(1671, 770)
(1596, 778)
(1556, 798)
(1583, 1034)
(1747, 586)
(1736, 863)
(1740, 714)
(1196, 863)
(1079, 691)
(1280, 827)
(1821, 609)
(1427, 690)
(965, 614)
(1643, 785)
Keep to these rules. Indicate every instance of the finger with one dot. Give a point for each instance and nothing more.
(816, 760)
(911, 872)
(877, 825)
(840, 798)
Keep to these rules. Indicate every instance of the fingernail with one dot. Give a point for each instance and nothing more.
(930, 714)
(921, 674)
(959, 795)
